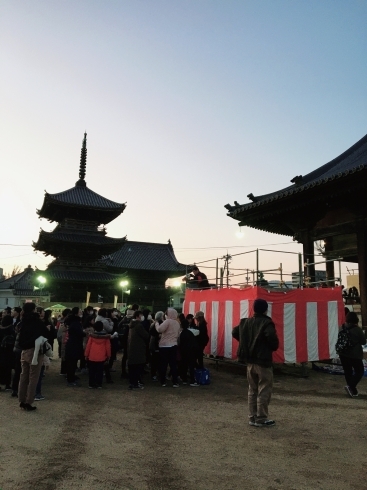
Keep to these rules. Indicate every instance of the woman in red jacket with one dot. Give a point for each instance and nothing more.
(97, 352)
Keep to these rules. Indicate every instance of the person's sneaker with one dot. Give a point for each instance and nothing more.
(38, 398)
(164, 385)
(251, 421)
(154, 378)
(349, 391)
(72, 384)
(8, 388)
(265, 423)
(194, 384)
(176, 386)
(99, 387)
(91, 387)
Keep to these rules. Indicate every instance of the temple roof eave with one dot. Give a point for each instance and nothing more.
(351, 162)
(286, 193)
(79, 199)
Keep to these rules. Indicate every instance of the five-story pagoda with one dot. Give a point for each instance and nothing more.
(79, 242)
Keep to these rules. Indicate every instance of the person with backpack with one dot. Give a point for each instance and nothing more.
(7, 341)
(349, 347)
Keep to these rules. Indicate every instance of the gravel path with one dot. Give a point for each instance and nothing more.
(185, 438)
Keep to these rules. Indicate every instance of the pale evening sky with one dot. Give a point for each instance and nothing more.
(188, 105)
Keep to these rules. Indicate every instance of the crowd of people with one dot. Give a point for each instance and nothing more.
(89, 340)
(168, 347)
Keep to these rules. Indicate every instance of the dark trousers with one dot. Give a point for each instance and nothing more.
(201, 358)
(188, 364)
(5, 371)
(107, 372)
(123, 361)
(17, 371)
(168, 356)
(154, 363)
(63, 367)
(114, 349)
(353, 371)
(82, 363)
(95, 370)
(39, 384)
(70, 369)
(135, 372)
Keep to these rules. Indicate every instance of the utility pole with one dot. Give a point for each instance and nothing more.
(226, 258)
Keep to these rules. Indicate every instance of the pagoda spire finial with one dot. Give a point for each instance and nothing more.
(83, 163)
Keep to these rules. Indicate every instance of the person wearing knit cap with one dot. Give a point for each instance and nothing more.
(258, 340)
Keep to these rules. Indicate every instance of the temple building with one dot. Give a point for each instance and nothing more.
(328, 204)
(147, 266)
(22, 287)
(86, 259)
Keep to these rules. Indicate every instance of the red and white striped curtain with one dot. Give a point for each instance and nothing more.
(306, 320)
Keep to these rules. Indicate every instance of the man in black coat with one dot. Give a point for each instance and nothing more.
(257, 341)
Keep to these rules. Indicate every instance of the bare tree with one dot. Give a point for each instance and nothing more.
(16, 270)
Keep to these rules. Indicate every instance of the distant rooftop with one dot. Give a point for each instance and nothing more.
(22, 283)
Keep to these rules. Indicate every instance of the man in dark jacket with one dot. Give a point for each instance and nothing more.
(137, 341)
(198, 279)
(32, 328)
(257, 341)
(352, 357)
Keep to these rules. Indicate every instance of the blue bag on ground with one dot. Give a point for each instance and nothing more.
(202, 376)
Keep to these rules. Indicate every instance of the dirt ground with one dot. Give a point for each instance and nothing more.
(185, 438)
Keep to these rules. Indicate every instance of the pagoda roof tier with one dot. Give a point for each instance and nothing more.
(273, 212)
(98, 243)
(79, 202)
(81, 276)
(148, 256)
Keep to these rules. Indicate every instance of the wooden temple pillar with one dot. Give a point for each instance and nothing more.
(308, 254)
(362, 266)
(330, 270)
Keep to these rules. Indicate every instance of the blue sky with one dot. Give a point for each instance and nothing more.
(188, 105)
